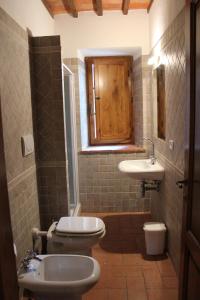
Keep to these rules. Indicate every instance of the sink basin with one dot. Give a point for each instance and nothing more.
(60, 276)
(142, 169)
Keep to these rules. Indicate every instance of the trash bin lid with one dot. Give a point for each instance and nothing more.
(154, 226)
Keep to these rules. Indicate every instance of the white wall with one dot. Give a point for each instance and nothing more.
(162, 13)
(111, 30)
(30, 14)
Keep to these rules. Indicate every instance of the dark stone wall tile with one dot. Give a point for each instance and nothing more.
(49, 128)
(45, 41)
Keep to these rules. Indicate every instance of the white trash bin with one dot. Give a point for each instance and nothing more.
(155, 234)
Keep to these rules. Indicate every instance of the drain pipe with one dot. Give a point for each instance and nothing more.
(153, 185)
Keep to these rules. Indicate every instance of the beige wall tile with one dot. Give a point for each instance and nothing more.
(167, 205)
(17, 121)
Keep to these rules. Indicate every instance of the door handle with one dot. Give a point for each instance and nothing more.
(182, 183)
(97, 98)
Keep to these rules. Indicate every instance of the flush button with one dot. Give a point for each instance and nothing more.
(171, 145)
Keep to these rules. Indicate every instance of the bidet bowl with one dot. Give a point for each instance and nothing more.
(142, 169)
(60, 275)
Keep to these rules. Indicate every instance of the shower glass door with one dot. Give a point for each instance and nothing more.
(70, 141)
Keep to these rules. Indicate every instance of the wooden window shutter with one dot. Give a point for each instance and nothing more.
(110, 100)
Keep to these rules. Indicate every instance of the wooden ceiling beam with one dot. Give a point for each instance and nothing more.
(149, 7)
(97, 6)
(70, 7)
(48, 7)
(125, 6)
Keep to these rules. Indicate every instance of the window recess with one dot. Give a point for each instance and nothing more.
(110, 100)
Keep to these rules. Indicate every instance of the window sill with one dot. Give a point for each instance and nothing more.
(112, 149)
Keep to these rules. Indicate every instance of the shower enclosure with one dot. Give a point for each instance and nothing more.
(70, 141)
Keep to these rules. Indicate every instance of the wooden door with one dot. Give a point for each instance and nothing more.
(8, 276)
(190, 266)
(110, 99)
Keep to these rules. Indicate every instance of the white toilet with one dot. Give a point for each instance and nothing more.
(75, 235)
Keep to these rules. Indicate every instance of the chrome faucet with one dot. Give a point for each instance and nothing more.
(152, 156)
(25, 263)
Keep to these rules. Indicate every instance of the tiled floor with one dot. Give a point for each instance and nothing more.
(126, 273)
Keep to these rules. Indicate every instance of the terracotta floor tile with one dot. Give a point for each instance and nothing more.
(147, 264)
(117, 294)
(101, 258)
(153, 279)
(135, 282)
(115, 271)
(133, 259)
(126, 272)
(102, 283)
(150, 266)
(112, 282)
(162, 294)
(132, 270)
(116, 282)
(114, 259)
(170, 282)
(166, 267)
(96, 294)
(137, 294)
(137, 259)
(122, 271)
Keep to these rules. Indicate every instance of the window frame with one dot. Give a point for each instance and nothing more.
(89, 61)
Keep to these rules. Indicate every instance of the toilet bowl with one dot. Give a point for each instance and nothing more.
(75, 235)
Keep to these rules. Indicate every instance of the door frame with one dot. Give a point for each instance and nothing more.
(8, 272)
(188, 239)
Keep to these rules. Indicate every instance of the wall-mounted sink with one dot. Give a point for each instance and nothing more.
(142, 169)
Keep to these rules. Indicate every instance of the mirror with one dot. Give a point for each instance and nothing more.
(159, 103)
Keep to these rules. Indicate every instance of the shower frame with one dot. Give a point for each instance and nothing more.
(74, 206)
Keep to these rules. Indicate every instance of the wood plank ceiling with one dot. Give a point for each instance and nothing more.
(73, 7)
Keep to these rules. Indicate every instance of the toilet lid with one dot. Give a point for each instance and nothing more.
(79, 225)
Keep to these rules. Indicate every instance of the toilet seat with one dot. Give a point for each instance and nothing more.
(79, 225)
(66, 237)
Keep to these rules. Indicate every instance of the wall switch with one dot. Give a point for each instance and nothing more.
(171, 145)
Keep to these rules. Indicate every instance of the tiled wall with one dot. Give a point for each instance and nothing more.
(138, 97)
(24, 209)
(147, 101)
(167, 206)
(102, 187)
(49, 128)
(142, 90)
(17, 121)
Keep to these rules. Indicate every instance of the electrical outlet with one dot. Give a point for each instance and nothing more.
(171, 145)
